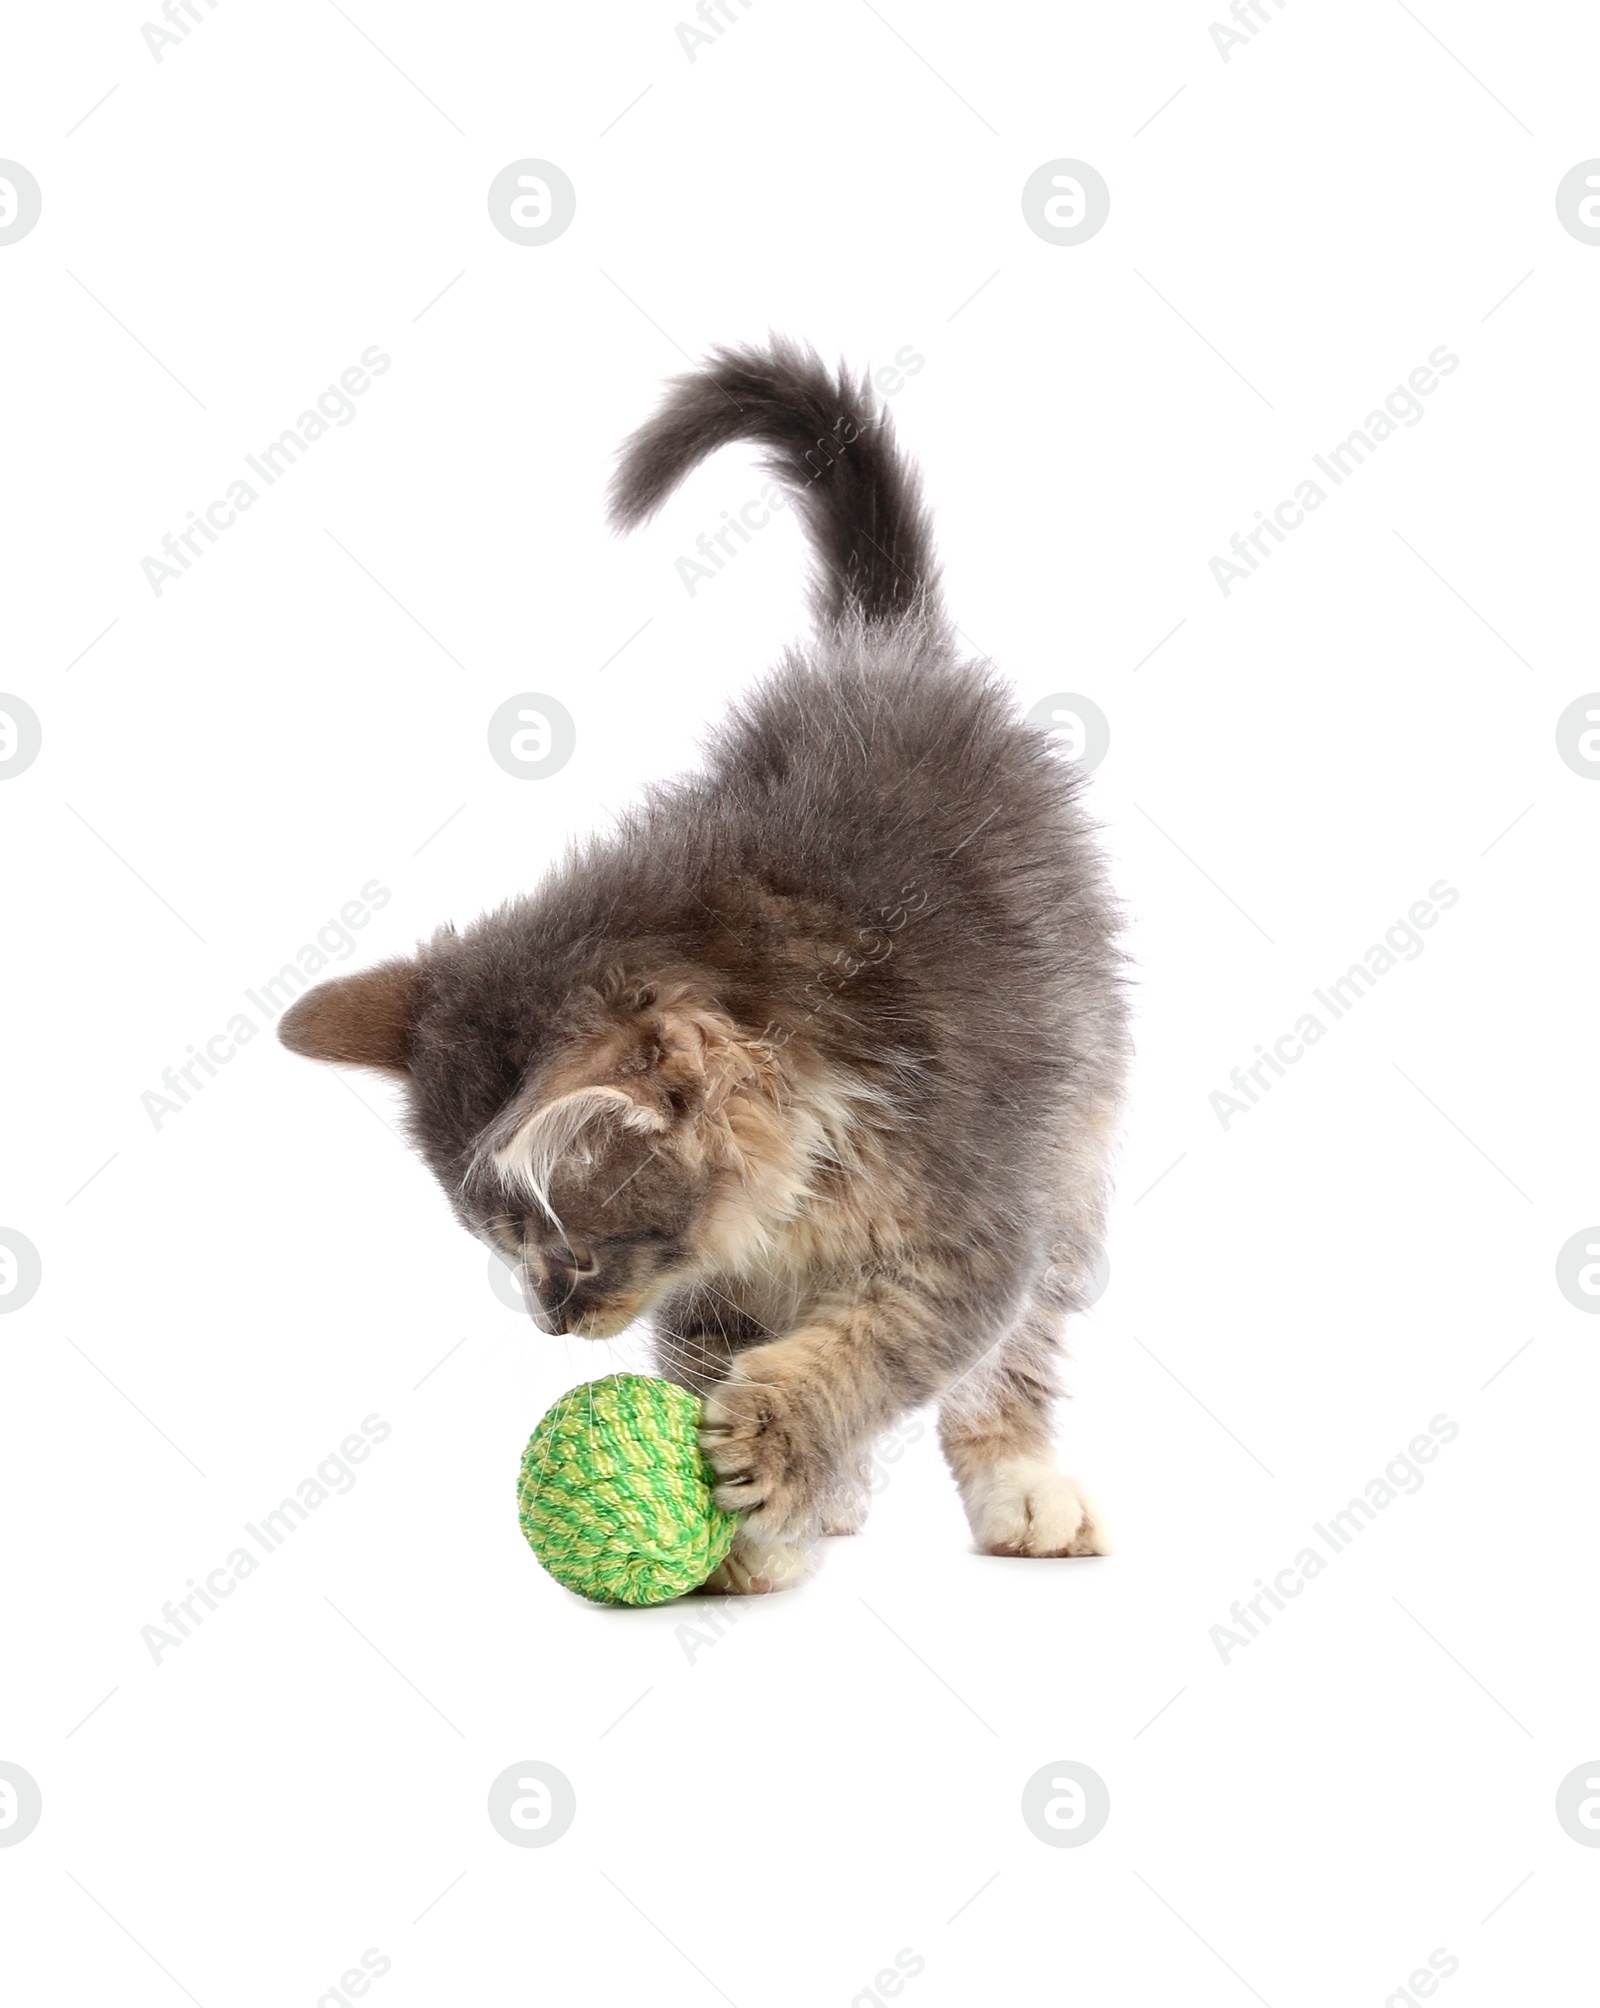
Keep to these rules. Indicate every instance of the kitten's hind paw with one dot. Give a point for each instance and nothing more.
(1028, 1507)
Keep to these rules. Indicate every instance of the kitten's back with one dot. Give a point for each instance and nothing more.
(878, 765)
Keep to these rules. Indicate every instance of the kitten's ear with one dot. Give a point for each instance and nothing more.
(680, 1074)
(364, 1020)
(700, 1058)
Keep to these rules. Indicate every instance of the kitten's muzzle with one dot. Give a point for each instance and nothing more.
(590, 1317)
(563, 1306)
(560, 1308)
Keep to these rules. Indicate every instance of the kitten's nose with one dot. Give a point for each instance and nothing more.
(557, 1303)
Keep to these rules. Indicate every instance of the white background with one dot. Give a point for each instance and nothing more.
(783, 1808)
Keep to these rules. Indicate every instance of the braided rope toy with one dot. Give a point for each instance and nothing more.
(615, 1496)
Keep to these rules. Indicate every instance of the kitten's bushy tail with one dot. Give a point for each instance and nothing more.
(830, 444)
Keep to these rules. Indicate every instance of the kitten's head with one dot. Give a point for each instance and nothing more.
(614, 1156)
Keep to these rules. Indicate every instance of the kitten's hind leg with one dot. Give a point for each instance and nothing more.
(994, 1428)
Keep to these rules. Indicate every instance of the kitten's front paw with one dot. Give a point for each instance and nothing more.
(756, 1440)
(754, 1568)
(1027, 1507)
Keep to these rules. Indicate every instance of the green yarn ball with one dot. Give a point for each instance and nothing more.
(615, 1496)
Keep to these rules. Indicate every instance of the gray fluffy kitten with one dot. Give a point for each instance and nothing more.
(816, 1059)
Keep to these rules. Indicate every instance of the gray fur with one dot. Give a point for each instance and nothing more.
(880, 876)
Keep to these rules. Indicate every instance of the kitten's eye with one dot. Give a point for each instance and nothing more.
(579, 1260)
